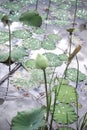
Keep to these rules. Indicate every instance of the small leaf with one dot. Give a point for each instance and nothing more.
(31, 18)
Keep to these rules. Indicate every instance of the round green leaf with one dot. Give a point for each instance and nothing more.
(64, 113)
(63, 57)
(48, 44)
(29, 63)
(53, 60)
(67, 94)
(72, 75)
(31, 18)
(4, 37)
(18, 54)
(3, 56)
(54, 37)
(28, 120)
(23, 34)
(32, 44)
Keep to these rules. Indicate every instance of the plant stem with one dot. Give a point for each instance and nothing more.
(54, 105)
(70, 44)
(9, 58)
(36, 4)
(46, 90)
(75, 13)
(76, 88)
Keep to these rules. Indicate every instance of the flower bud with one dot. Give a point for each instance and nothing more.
(41, 62)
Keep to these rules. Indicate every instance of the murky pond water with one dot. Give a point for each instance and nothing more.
(26, 83)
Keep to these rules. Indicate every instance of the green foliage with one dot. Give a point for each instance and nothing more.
(53, 59)
(3, 37)
(48, 44)
(11, 6)
(63, 57)
(32, 44)
(72, 75)
(64, 114)
(29, 64)
(54, 37)
(67, 94)
(31, 18)
(22, 34)
(28, 120)
(82, 13)
(18, 54)
(3, 56)
(63, 81)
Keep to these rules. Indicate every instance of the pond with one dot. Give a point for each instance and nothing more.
(23, 88)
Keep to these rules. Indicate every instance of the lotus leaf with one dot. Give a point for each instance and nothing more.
(3, 37)
(32, 44)
(48, 44)
(54, 37)
(63, 57)
(31, 18)
(11, 6)
(29, 64)
(72, 75)
(67, 94)
(18, 54)
(23, 34)
(3, 56)
(64, 113)
(53, 60)
(28, 120)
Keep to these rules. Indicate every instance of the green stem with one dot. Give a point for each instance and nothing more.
(54, 105)
(36, 4)
(75, 13)
(9, 58)
(70, 44)
(76, 88)
(46, 90)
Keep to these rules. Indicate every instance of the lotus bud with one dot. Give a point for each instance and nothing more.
(41, 62)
